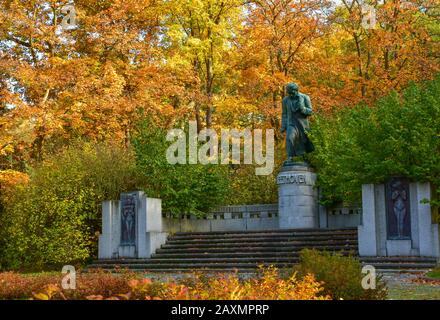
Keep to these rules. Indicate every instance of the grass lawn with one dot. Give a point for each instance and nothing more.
(434, 274)
(413, 287)
(414, 292)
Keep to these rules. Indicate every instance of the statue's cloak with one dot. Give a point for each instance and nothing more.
(294, 121)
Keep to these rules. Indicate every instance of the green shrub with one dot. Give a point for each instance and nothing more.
(399, 136)
(249, 188)
(342, 276)
(54, 219)
(434, 273)
(183, 188)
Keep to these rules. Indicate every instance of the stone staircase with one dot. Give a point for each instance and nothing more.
(245, 250)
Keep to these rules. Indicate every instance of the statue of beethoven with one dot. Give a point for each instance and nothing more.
(297, 107)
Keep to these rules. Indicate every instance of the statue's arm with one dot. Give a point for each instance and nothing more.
(307, 110)
(283, 117)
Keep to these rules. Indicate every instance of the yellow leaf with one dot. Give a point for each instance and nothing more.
(41, 296)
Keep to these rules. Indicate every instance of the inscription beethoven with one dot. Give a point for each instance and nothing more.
(292, 178)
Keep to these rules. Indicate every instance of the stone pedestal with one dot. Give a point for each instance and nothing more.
(131, 227)
(297, 197)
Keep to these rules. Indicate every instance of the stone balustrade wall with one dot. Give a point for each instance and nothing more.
(251, 217)
(340, 217)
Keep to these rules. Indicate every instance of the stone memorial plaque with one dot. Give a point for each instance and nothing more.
(398, 209)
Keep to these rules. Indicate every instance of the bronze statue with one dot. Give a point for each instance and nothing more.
(297, 107)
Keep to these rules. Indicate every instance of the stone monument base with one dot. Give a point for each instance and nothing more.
(297, 197)
(374, 234)
(146, 227)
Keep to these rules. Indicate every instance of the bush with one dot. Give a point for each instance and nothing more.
(341, 276)
(249, 188)
(26, 286)
(268, 285)
(55, 218)
(17, 286)
(183, 188)
(396, 137)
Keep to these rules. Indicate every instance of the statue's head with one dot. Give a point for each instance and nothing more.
(292, 89)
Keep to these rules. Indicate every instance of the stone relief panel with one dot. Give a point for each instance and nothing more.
(128, 219)
(398, 209)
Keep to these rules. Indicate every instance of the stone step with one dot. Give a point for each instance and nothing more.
(385, 271)
(242, 249)
(329, 239)
(400, 265)
(290, 244)
(399, 259)
(269, 254)
(256, 256)
(277, 231)
(196, 266)
(174, 271)
(239, 236)
(209, 260)
(253, 260)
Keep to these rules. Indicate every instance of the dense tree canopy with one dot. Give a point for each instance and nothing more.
(220, 62)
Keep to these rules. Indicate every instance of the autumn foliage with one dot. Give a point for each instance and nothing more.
(268, 285)
(221, 63)
(48, 285)
(10, 179)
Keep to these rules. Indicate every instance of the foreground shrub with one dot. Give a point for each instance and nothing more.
(53, 220)
(17, 286)
(266, 286)
(46, 286)
(341, 276)
(102, 285)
